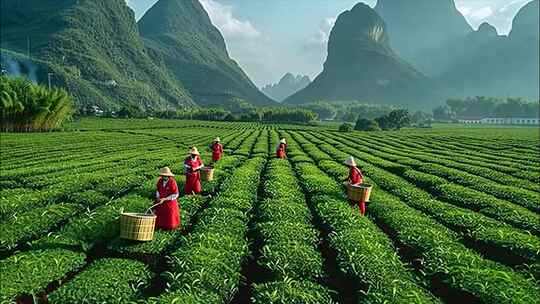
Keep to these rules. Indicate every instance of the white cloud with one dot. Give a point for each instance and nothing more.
(481, 13)
(321, 37)
(323, 33)
(499, 13)
(231, 27)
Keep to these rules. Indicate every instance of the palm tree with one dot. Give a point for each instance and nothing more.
(26, 107)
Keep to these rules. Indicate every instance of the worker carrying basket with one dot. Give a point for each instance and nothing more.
(357, 190)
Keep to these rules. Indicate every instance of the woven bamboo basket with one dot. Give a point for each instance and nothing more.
(137, 226)
(208, 173)
(357, 192)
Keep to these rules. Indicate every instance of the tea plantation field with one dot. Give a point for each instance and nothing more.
(454, 217)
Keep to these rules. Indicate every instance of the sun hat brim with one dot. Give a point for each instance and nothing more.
(350, 162)
(166, 172)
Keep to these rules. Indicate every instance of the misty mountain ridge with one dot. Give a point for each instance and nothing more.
(468, 62)
(491, 65)
(414, 53)
(361, 65)
(287, 85)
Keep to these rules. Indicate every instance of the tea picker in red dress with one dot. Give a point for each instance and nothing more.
(356, 178)
(167, 212)
(280, 152)
(192, 165)
(217, 149)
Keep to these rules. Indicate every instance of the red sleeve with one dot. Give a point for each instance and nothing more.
(221, 148)
(174, 186)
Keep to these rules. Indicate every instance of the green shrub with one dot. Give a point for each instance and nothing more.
(105, 281)
(346, 127)
(290, 291)
(364, 124)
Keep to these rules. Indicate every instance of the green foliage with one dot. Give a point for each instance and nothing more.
(364, 124)
(30, 272)
(290, 291)
(482, 229)
(324, 111)
(396, 120)
(289, 249)
(256, 115)
(442, 254)
(94, 226)
(346, 127)
(93, 49)
(33, 223)
(105, 281)
(182, 40)
(26, 107)
(482, 106)
(198, 265)
(458, 219)
(363, 251)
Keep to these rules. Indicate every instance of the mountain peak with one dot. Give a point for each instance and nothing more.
(287, 85)
(362, 66)
(430, 24)
(486, 29)
(182, 39)
(525, 24)
(359, 29)
(180, 17)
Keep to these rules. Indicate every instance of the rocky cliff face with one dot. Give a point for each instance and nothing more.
(361, 65)
(416, 26)
(287, 86)
(181, 38)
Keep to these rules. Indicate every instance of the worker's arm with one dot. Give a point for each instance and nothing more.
(171, 197)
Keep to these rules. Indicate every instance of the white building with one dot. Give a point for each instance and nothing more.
(511, 121)
(501, 121)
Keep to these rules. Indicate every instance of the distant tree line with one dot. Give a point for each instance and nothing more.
(28, 107)
(288, 115)
(347, 111)
(481, 107)
(395, 120)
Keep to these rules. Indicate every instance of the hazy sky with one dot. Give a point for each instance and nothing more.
(269, 38)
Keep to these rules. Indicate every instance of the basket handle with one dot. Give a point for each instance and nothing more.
(151, 207)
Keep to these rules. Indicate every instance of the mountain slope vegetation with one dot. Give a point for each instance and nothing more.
(92, 48)
(181, 38)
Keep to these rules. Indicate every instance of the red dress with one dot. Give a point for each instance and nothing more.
(280, 153)
(168, 213)
(193, 176)
(217, 151)
(355, 176)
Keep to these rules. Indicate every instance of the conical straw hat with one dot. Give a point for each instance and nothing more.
(194, 150)
(217, 139)
(283, 141)
(350, 161)
(165, 171)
